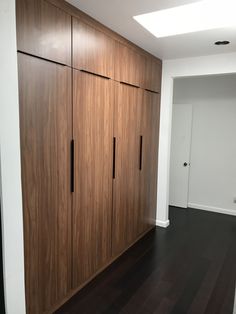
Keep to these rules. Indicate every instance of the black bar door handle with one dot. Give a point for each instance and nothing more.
(72, 166)
(141, 153)
(114, 158)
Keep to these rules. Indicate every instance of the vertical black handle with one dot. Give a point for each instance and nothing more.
(72, 161)
(114, 158)
(141, 152)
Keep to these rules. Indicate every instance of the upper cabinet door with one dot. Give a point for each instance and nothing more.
(149, 130)
(43, 30)
(129, 66)
(92, 200)
(46, 132)
(153, 72)
(93, 51)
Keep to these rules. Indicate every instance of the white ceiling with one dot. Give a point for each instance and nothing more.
(118, 15)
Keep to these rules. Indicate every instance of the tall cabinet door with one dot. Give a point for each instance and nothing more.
(92, 200)
(149, 131)
(127, 156)
(45, 130)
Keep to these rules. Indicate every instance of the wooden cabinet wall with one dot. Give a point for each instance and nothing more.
(89, 123)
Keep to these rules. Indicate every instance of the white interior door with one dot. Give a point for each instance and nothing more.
(180, 155)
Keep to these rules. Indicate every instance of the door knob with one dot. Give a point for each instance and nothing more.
(185, 164)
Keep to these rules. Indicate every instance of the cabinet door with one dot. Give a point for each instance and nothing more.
(129, 66)
(92, 200)
(45, 129)
(153, 74)
(93, 51)
(43, 30)
(127, 154)
(150, 116)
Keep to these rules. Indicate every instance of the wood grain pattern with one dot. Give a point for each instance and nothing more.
(75, 12)
(149, 129)
(153, 71)
(92, 200)
(45, 128)
(125, 185)
(93, 51)
(43, 30)
(99, 231)
(129, 66)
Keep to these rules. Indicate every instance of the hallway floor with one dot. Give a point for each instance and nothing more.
(189, 267)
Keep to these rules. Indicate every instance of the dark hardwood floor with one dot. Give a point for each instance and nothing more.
(2, 302)
(189, 267)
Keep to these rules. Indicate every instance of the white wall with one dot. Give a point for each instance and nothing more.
(206, 65)
(212, 180)
(10, 182)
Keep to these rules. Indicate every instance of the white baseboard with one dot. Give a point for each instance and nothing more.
(162, 223)
(213, 209)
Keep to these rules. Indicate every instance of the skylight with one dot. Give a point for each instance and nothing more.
(189, 18)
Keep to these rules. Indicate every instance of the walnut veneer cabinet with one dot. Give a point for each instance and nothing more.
(89, 124)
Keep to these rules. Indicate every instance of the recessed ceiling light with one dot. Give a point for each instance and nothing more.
(189, 18)
(222, 43)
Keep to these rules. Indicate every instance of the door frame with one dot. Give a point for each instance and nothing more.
(186, 67)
